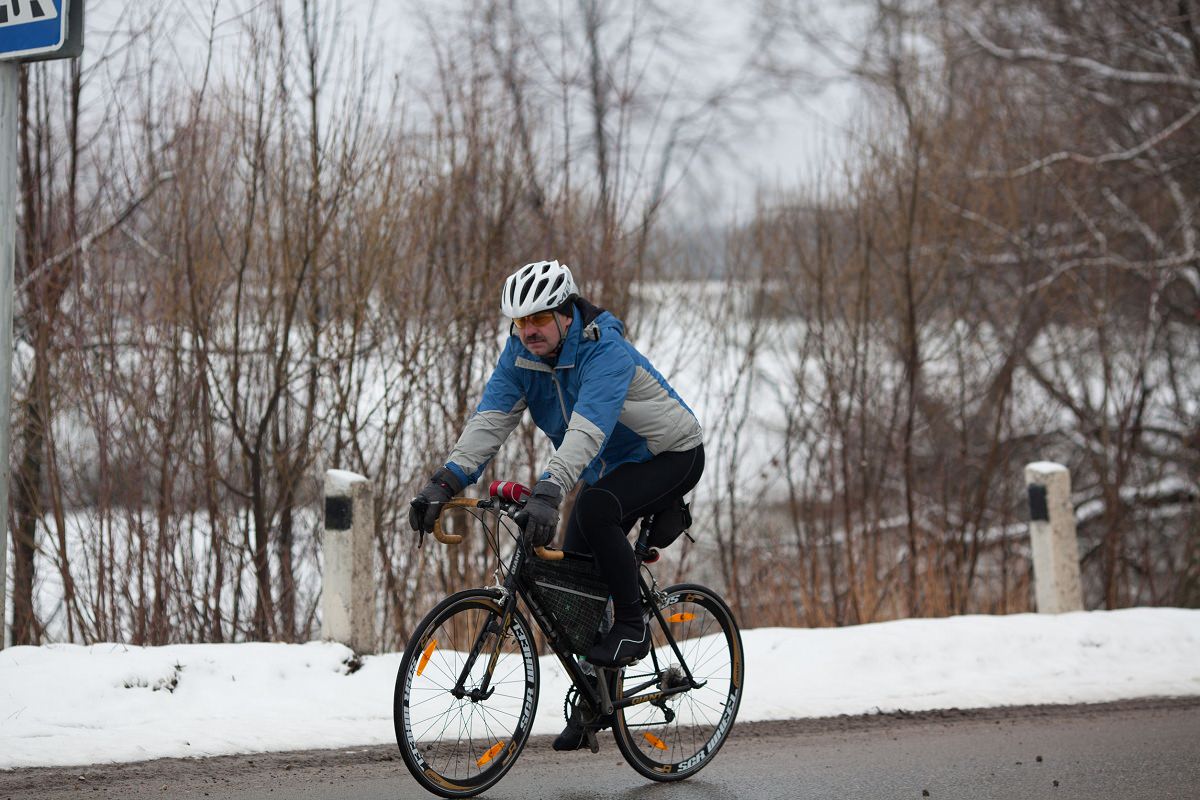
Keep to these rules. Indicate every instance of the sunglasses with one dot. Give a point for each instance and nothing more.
(536, 320)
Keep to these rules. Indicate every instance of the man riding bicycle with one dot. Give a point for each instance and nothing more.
(616, 424)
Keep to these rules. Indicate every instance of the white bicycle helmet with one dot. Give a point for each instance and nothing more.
(535, 287)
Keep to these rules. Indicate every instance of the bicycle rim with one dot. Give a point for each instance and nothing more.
(671, 738)
(456, 746)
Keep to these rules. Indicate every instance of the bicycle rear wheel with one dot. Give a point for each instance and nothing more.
(466, 694)
(673, 737)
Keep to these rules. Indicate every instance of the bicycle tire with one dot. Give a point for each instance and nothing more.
(677, 736)
(455, 746)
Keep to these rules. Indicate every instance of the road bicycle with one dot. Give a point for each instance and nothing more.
(467, 688)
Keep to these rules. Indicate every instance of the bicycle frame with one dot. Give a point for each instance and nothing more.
(515, 588)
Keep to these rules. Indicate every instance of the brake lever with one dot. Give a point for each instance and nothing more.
(420, 505)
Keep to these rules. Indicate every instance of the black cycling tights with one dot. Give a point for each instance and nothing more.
(605, 512)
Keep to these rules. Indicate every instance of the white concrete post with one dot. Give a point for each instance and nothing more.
(348, 582)
(1052, 534)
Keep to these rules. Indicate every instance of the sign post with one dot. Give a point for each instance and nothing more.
(8, 231)
(30, 30)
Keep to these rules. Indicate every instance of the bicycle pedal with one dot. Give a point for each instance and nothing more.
(590, 737)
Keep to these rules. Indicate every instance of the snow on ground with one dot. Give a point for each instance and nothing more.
(67, 704)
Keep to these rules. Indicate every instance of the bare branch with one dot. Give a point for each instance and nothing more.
(1090, 65)
(86, 241)
(1129, 154)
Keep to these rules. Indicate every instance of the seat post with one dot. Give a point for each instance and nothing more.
(642, 549)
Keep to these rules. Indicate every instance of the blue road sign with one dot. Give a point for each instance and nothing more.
(32, 27)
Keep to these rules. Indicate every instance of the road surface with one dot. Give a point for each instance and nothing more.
(1142, 749)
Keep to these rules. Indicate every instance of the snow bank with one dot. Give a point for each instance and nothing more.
(66, 704)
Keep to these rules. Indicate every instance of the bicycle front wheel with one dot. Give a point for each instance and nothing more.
(670, 738)
(466, 694)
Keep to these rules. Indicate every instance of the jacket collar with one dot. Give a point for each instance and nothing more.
(570, 349)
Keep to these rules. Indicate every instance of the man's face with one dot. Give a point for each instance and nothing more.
(540, 332)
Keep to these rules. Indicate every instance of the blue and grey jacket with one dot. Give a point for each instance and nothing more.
(602, 403)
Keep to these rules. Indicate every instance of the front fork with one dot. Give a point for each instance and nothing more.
(493, 631)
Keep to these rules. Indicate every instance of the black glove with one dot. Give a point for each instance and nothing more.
(539, 517)
(424, 509)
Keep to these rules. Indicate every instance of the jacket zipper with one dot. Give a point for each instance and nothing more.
(562, 404)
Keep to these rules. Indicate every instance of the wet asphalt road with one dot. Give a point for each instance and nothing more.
(1125, 751)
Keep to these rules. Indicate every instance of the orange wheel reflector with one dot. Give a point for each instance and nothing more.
(492, 752)
(682, 616)
(654, 740)
(429, 648)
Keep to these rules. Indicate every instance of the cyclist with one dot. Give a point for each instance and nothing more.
(616, 425)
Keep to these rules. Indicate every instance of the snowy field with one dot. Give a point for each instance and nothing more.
(66, 704)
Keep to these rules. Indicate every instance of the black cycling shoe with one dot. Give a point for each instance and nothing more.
(574, 736)
(628, 641)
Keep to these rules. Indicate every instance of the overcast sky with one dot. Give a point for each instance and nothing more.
(780, 139)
